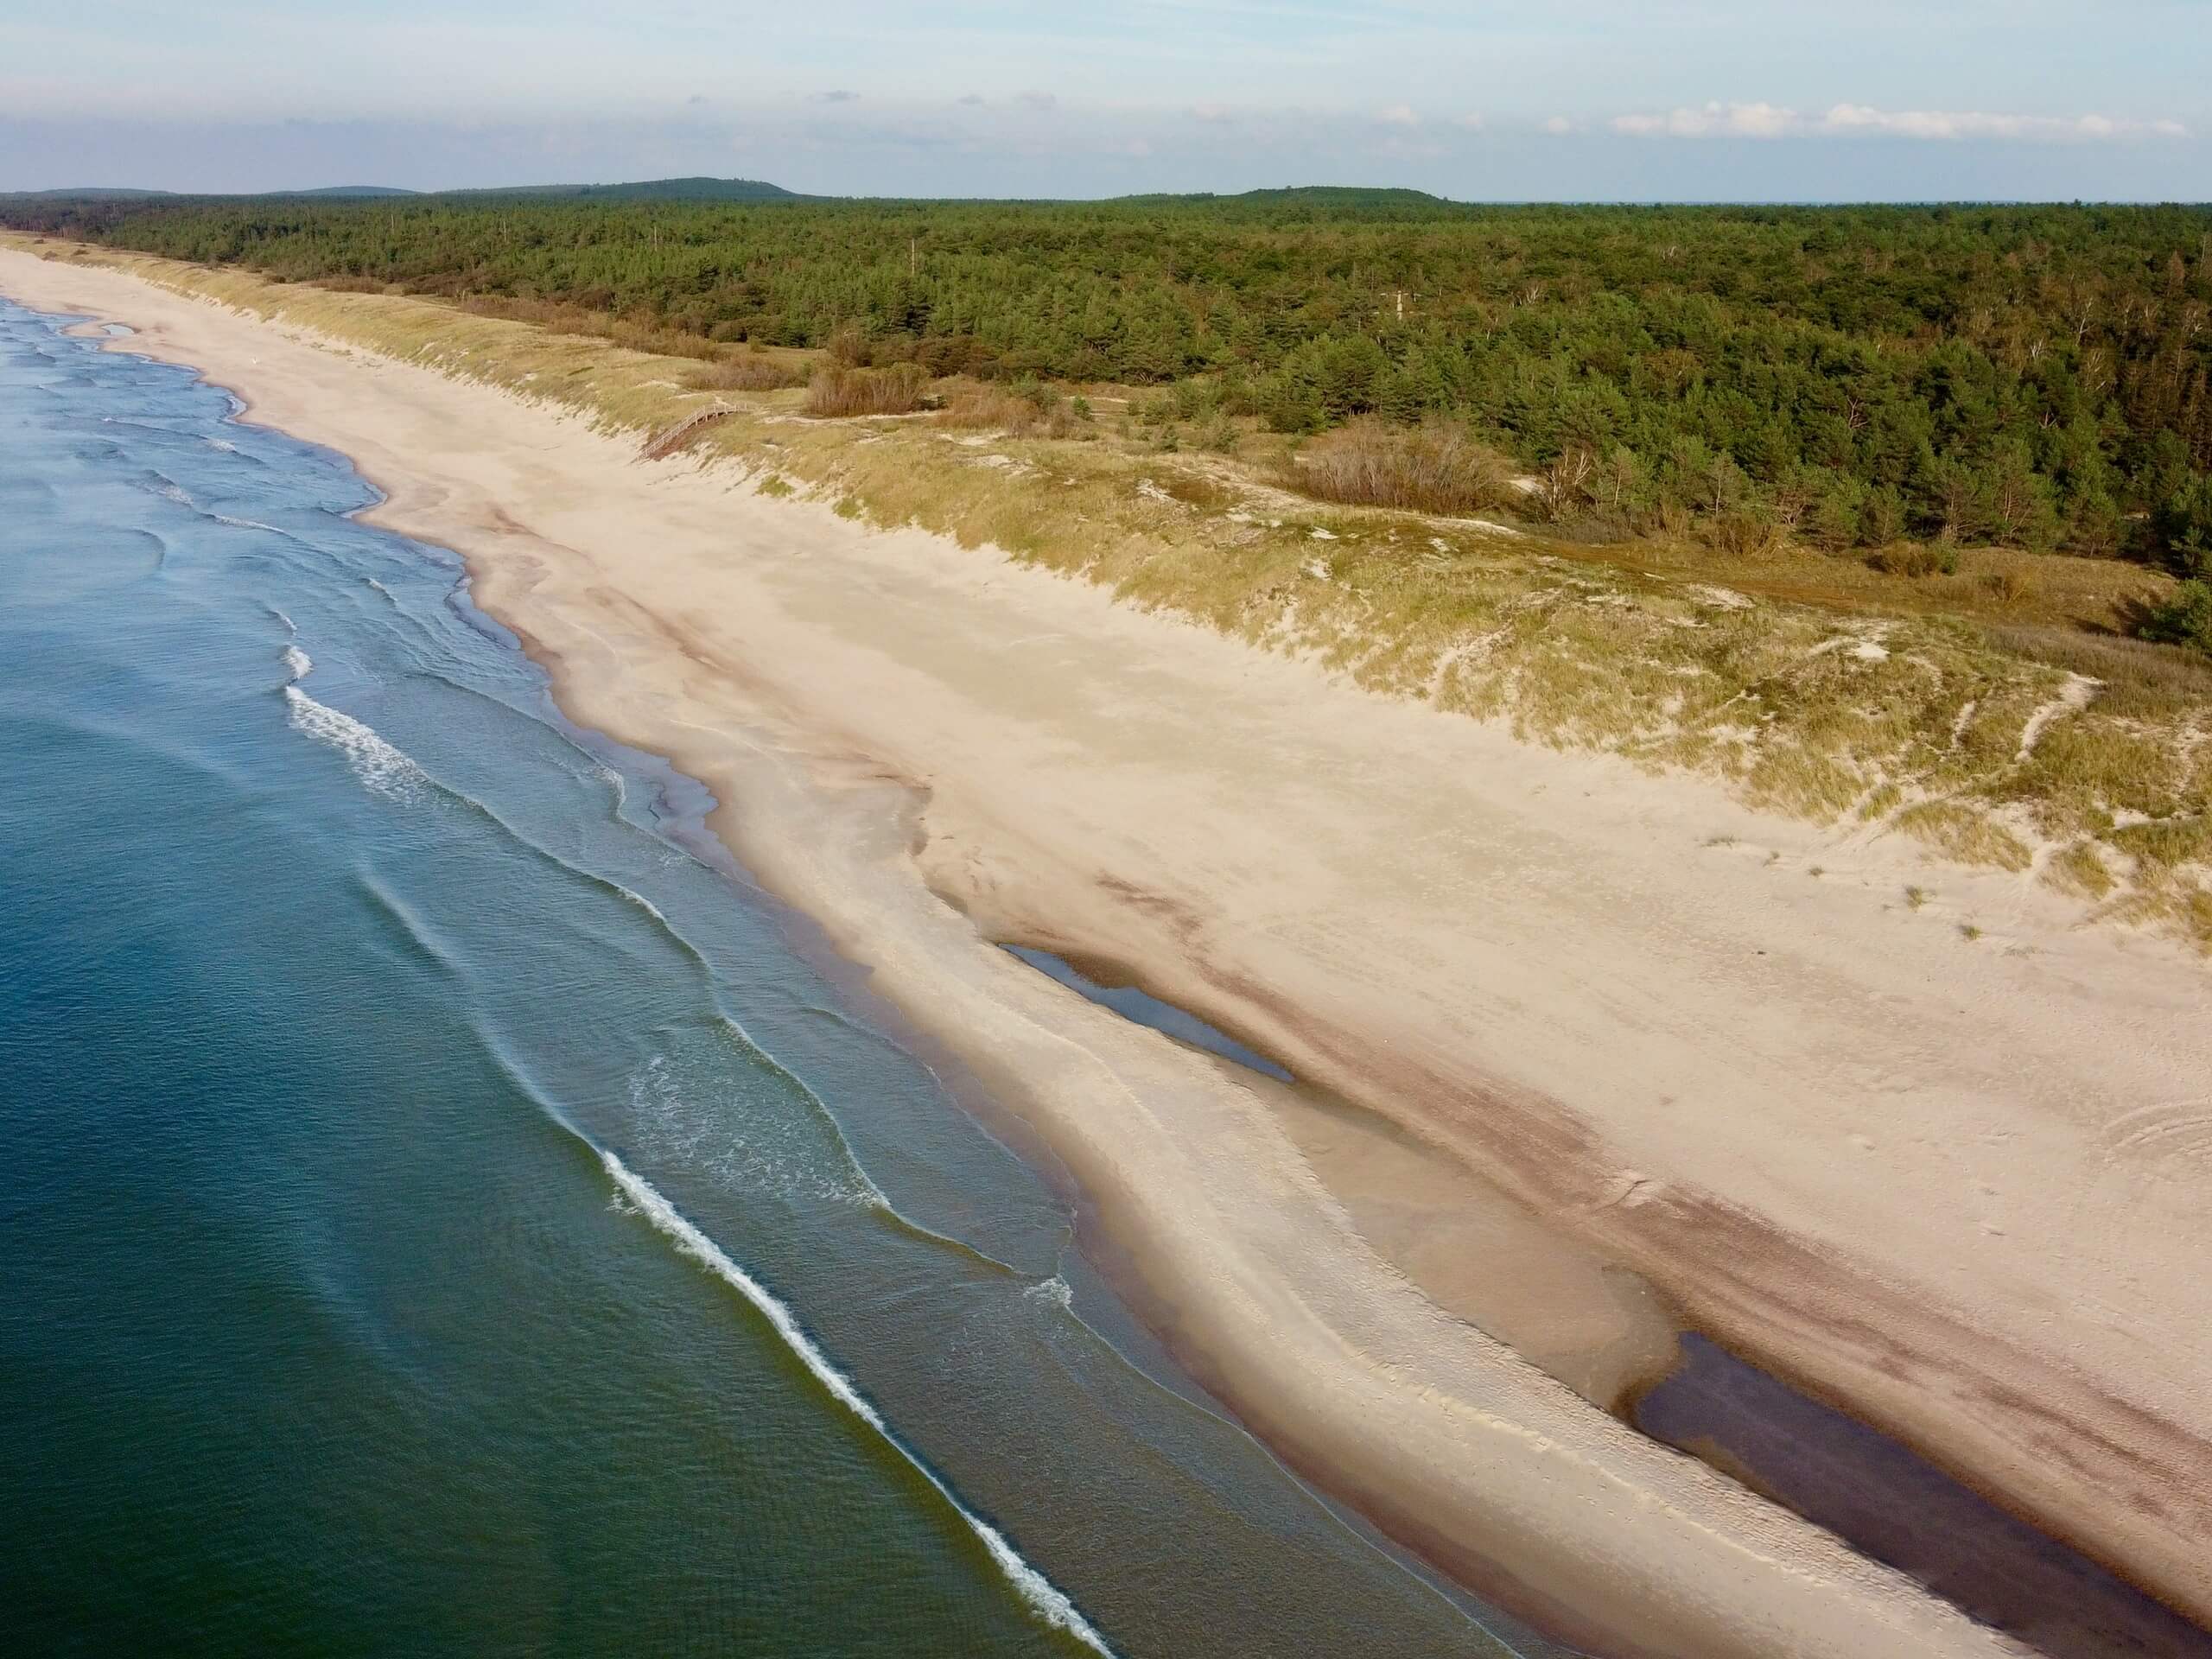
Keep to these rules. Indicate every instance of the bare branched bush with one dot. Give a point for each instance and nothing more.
(895, 391)
(1566, 483)
(1433, 468)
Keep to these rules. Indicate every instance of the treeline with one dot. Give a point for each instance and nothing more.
(2040, 377)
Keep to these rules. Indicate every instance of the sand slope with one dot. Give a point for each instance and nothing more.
(1958, 1183)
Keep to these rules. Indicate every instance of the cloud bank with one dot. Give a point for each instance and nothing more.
(1763, 120)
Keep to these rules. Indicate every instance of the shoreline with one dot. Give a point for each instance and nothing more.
(870, 845)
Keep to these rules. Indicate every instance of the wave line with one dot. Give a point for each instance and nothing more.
(384, 769)
(1050, 1602)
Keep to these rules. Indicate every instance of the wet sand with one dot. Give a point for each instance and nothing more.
(1954, 1185)
(1594, 1326)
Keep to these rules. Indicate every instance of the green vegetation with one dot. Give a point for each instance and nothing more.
(2184, 619)
(2037, 377)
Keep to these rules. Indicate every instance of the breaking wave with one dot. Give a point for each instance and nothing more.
(297, 663)
(385, 769)
(1045, 1600)
(1054, 1290)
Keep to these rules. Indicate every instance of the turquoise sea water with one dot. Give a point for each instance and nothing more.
(443, 1211)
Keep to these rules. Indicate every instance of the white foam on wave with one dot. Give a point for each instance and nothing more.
(243, 523)
(297, 663)
(644, 903)
(384, 769)
(1055, 1290)
(762, 1152)
(1048, 1603)
(222, 444)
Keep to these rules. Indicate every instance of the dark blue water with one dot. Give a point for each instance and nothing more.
(443, 1213)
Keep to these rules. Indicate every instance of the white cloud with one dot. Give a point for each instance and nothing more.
(1763, 120)
(1398, 115)
(1733, 120)
(1981, 124)
(1468, 123)
(1559, 123)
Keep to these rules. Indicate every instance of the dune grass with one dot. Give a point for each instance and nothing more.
(1982, 717)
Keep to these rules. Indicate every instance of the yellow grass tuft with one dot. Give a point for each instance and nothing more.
(1960, 833)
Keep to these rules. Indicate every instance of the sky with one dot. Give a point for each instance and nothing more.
(1553, 100)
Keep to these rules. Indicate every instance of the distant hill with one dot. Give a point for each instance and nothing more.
(1343, 195)
(350, 190)
(698, 189)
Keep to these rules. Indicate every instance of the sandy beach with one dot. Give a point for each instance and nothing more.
(1602, 1046)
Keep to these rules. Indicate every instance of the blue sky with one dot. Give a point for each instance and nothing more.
(1667, 100)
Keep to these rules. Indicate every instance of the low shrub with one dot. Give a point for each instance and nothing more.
(896, 390)
(1432, 468)
(851, 348)
(2184, 619)
(1744, 535)
(1917, 559)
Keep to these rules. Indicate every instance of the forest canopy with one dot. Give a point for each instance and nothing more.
(2039, 377)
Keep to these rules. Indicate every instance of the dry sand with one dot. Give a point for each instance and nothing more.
(1956, 1183)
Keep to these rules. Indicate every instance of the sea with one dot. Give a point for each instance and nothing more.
(447, 1208)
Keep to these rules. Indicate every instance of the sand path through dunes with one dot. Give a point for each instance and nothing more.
(1955, 1183)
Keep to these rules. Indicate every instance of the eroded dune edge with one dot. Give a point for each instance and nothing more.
(1949, 1180)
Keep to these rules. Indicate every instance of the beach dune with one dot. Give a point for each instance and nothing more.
(1954, 1183)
